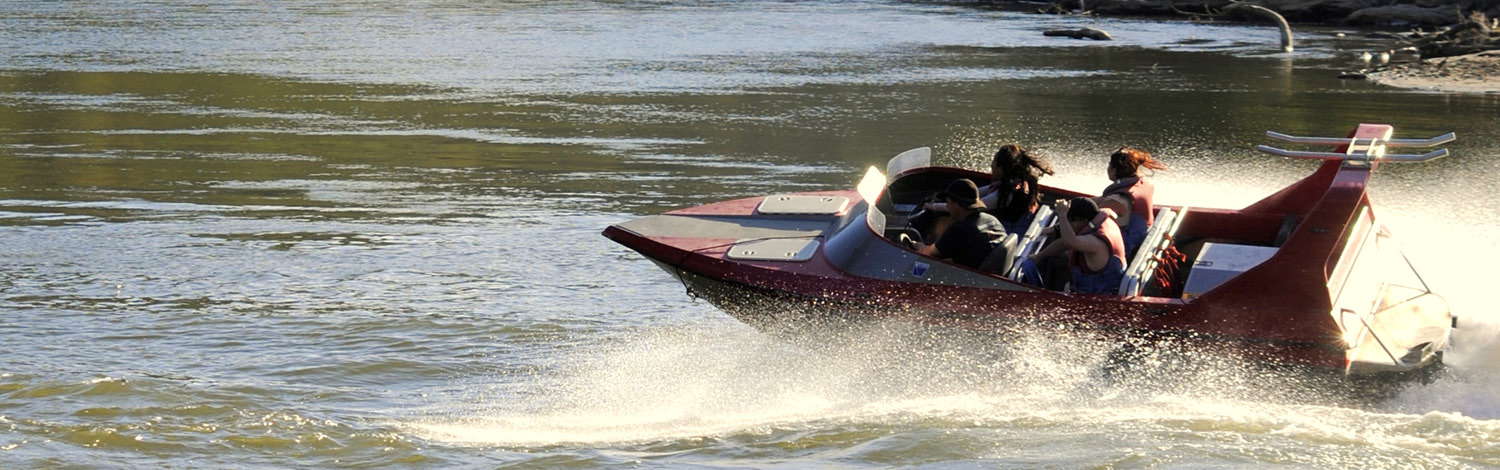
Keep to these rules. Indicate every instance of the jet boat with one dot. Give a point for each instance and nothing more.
(1306, 276)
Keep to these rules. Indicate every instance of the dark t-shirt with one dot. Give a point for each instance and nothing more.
(967, 241)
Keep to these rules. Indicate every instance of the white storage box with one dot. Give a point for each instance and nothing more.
(1220, 262)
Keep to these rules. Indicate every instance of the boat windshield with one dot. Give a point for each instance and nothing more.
(914, 158)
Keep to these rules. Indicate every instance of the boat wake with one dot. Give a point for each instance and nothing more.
(696, 383)
(1451, 253)
(1470, 384)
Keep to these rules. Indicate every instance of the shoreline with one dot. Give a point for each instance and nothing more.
(1471, 73)
(1476, 72)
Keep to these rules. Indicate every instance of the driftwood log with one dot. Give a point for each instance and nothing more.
(1081, 33)
(1246, 9)
(1257, 10)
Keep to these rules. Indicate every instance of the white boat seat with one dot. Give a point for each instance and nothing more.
(1002, 255)
(1158, 238)
(1031, 241)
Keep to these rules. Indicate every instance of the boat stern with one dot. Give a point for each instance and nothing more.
(1408, 331)
(1390, 320)
(1387, 319)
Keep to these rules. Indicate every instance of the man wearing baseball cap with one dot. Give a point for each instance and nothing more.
(967, 239)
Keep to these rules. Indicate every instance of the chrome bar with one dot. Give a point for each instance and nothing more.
(1316, 140)
(1435, 154)
(1303, 155)
(1432, 142)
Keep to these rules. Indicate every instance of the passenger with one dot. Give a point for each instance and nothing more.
(1013, 196)
(1129, 197)
(966, 241)
(1096, 253)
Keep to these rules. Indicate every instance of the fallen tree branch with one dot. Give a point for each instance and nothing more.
(1474, 33)
(1286, 29)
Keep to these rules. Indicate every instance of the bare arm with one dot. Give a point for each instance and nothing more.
(1059, 207)
(928, 250)
(1052, 249)
(1118, 203)
(1095, 251)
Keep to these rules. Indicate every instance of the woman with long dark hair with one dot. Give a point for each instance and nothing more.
(1014, 196)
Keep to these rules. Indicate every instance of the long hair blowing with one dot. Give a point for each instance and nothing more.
(1019, 163)
(1128, 162)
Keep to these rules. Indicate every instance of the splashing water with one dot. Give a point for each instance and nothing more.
(884, 386)
(676, 384)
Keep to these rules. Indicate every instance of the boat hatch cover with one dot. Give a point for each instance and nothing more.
(795, 204)
(775, 249)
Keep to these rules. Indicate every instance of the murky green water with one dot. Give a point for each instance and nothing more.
(364, 234)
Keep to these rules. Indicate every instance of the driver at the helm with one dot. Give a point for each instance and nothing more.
(967, 240)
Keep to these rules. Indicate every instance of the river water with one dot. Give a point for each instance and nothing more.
(365, 234)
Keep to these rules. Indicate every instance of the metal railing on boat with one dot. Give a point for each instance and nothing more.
(1368, 145)
(1148, 256)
